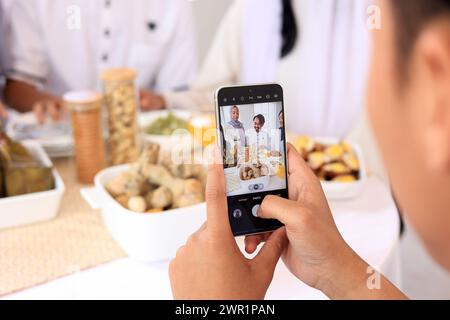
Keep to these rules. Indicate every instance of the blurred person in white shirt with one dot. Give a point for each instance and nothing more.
(318, 50)
(62, 45)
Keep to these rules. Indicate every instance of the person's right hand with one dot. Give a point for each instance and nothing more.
(51, 107)
(316, 252)
(151, 101)
(3, 113)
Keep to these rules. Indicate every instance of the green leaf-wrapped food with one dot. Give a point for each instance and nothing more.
(22, 174)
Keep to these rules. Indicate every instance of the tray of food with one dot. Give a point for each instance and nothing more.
(152, 206)
(30, 189)
(338, 164)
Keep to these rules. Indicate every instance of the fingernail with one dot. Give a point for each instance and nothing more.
(259, 212)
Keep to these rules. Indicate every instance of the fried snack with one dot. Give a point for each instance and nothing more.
(123, 200)
(351, 161)
(345, 178)
(137, 204)
(117, 186)
(334, 152)
(152, 187)
(316, 160)
(335, 169)
(336, 162)
(154, 211)
(160, 198)
(304, 145)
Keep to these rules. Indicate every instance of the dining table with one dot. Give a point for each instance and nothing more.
(369, 223)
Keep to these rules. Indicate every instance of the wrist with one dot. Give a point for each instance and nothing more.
(347, 276)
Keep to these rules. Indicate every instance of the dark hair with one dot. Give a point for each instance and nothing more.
(411, 17)
(289, 29)
(261, 119)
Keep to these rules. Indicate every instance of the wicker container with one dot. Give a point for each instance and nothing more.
(121, 102)
(86, 114)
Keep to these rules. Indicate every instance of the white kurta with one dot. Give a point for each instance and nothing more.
(64, 45)
(324, 77)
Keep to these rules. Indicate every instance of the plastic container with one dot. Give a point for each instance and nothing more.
(121, 102)
(86, 114)
(34, 207)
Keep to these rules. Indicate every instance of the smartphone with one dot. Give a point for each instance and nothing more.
(252, 139)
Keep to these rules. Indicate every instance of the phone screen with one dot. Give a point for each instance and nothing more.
(253, 144)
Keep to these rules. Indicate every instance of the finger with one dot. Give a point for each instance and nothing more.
(39, 112)
(216, 204)
(281, 209)
(54, 110)
(252, 242)
(296, 164)
(271, 251)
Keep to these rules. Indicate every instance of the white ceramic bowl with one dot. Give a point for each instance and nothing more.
(34, 207)
(144, 237)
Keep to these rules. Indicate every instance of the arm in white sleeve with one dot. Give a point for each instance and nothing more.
(221, 66)
(27, 60)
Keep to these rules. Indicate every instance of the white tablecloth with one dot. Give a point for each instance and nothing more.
(370, 224)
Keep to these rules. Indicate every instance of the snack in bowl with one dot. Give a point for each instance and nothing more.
(154, 183)
(332, 162)
(167, 200)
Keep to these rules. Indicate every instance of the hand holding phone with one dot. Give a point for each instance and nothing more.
(253, 145)
(211, 265)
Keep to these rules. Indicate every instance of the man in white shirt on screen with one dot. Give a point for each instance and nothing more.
(258, 139)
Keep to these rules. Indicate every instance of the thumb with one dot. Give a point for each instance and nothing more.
(270, 253)
(283, 210)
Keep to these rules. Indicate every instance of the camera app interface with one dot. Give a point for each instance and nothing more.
(253, 148)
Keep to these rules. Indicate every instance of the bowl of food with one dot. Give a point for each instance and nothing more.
(31, 190)
(167, 128)
(338, 164)
(152, 206)
(254, 177)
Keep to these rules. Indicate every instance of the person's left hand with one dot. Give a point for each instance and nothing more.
(211, 266)
(151, 101)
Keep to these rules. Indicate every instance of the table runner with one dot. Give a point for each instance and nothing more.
(75, 240)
